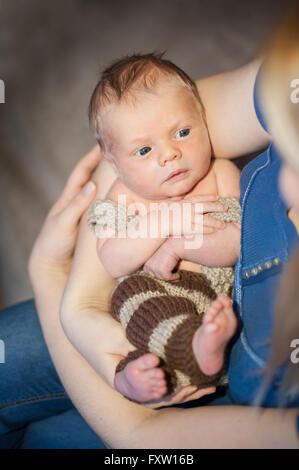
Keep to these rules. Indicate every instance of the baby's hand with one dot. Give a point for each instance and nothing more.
(162, 263)
(190, 215)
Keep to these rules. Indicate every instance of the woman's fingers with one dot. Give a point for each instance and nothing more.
(199, 393)
(189, 393)
(82, 172)
(85, 165)
(72, 213)
(79, 176)
(180, 396)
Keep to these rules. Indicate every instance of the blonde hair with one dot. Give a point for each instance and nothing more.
(124, 75)
(280, 68)
(279, 82)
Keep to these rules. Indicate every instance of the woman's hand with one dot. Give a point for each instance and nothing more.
(185, 394)
(53, 250)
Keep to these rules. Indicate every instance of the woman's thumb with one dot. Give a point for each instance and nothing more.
(88, 189)
(75, 209)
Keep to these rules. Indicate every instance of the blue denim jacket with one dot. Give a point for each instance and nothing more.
(267, 240)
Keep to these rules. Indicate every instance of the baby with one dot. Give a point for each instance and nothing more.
(150, 123)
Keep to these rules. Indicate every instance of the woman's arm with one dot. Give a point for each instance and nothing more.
(119, 422)
(228, 100)
(123, 424)
(84, 309)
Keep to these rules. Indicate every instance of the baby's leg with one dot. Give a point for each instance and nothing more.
(138, 376)
(211, 338)
(160, 319)
(141, 380)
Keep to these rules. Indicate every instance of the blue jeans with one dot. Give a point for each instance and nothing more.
(35, 411)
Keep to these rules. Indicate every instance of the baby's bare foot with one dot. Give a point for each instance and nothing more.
(211, 338)
(141, 380)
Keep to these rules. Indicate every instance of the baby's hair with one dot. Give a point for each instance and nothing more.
(280, 72)
(141, 71)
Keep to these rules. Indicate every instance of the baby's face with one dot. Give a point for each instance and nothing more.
(161, 132)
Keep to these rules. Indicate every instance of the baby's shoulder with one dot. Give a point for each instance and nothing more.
(221, 165)
(227, 176)
(115, 210)
(119, 192)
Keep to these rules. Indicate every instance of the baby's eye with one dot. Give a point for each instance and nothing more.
(143, 151)
(183, 133)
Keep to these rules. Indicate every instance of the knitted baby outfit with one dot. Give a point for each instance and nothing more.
(162, 316)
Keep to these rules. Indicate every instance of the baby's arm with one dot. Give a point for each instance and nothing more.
(220, 248)
(123, 256)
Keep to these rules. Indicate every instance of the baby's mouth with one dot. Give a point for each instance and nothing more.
(176, 175)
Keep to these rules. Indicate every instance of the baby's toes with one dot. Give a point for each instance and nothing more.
(231, 318)
(212, 312)
(218, 303)
(147, 361)
(216, 307)
(157, 373)
(225, 301)
(209, 316)
(161, 386)
(159, 389)
(158, 382)
(141, 366)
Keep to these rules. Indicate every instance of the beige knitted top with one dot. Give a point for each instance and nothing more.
(107, 213)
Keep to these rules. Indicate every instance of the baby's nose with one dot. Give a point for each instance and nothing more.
(170, 153)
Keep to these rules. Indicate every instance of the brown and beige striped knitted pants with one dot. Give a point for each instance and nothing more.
(161, 317)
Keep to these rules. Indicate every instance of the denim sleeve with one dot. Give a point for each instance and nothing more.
(258, 104)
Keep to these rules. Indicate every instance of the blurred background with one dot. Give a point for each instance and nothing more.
(51, 54)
